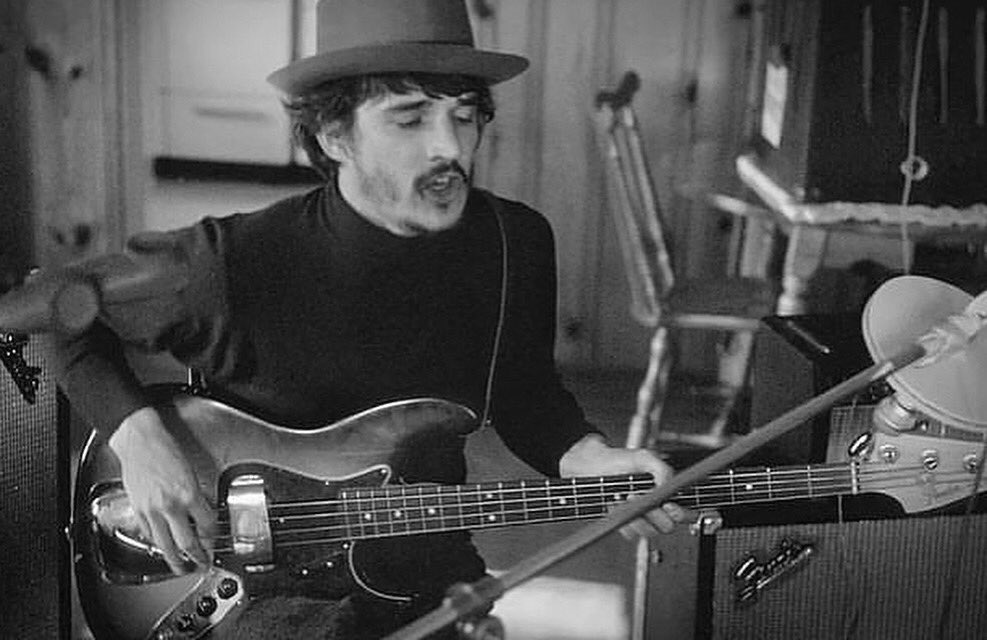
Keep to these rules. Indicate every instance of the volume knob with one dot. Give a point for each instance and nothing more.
(206, 606)
(227, 588)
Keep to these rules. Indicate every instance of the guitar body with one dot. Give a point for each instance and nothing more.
(128, 592)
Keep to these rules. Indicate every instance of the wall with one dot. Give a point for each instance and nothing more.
(691, 57)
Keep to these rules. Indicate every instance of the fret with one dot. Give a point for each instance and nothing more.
(536, 502)
(691, 497)
(378, 517)
(491, 511)
(503, 503)
(601, 486)
(375, 512)
(514, 499)
(733, 488)
(561, 501)
(414, 509)
(588, 495)
(449, 507)
(432, 508)
(470, 506)
(615, 492)
(350, 517)
(808, 480)
(526, 500)
(700, 497)
(407, 512)
(364, 510)
(396, 514)
(383, 517)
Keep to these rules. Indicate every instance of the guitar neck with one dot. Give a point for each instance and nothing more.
(394, 510)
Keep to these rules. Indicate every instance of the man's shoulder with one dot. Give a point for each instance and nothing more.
(267, 221)
(515, 214)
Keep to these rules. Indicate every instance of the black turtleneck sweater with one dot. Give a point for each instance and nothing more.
(304, 313)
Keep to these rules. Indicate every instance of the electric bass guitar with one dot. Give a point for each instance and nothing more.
(317, 506)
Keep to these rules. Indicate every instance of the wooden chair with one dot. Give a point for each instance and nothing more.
(660, 299)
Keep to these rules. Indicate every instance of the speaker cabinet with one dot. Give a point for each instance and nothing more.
(795, 359)
(909, 579)
(835, 88)
(34, 576)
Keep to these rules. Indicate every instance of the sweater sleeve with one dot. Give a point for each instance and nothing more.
(537, 418)
(92, 368)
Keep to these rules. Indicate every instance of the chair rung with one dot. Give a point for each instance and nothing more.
(711, 321)
(702, 440)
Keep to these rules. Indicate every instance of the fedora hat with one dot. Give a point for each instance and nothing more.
(357, 37)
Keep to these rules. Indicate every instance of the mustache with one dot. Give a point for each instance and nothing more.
(440, 170)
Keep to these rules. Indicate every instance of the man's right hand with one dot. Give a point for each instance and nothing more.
(163, 490)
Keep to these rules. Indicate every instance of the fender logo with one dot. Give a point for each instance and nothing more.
(751, 575)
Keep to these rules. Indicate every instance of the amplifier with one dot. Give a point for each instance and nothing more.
(34, 574)
(909, 579)
(795, 358)
(825, 568)
(835, 89)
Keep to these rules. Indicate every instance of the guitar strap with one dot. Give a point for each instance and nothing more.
(502, 309)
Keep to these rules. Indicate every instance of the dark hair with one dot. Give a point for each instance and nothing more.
(337, 101)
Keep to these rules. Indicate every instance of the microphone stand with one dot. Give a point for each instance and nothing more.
(473, 599)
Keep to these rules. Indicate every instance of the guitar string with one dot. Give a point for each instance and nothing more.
(480, 518)
(388, 498)
(346, 532)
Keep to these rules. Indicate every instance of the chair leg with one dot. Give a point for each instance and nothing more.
(732, 375)
(651, 393)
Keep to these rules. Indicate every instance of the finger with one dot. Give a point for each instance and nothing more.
(660, 520)
(638, 528)
(144, 527)
(676, 512)
(161, 532)
(204, 519)
(186, 538)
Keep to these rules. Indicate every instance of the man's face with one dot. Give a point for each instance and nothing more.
(407, 162)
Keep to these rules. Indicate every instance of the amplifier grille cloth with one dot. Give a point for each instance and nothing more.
(865, 579)
(30, 528)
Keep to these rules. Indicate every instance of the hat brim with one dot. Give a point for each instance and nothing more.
(453, 59)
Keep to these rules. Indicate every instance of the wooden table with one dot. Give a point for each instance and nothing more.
(810, 225)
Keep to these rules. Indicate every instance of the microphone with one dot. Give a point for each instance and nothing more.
(68, 300)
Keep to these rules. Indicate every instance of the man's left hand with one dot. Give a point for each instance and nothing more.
(592, 456)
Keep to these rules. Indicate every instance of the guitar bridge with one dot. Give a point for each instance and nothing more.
(250, 529)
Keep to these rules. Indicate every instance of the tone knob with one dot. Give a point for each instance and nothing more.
(185, 623)
(206, 606)
(227, 588)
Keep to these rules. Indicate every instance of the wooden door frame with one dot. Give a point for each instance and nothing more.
(78, 168)
(126, 164)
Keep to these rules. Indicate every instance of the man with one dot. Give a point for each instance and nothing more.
(397, 279)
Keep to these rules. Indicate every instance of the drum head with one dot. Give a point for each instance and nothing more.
(952, 389)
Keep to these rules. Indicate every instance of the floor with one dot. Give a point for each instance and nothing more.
(585, 596)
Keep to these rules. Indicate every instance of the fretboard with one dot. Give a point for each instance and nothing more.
(401, 510)
(394, 510)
